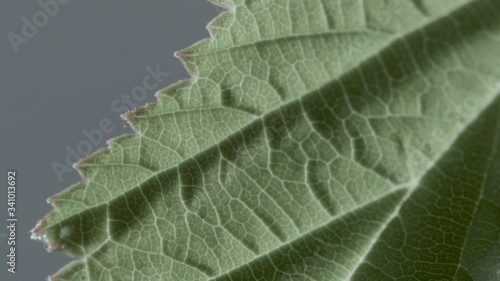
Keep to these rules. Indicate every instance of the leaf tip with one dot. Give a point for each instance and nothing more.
(128, 116)
(179, 54)
(40, 233)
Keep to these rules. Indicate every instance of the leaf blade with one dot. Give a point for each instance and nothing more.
(307, 124)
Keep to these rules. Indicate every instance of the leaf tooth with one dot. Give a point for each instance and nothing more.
(172, 89)
(41, 229)
(128, 116)
(81, 165)
(55, 201)
(36, 232)
(219, 23)
(186, 58)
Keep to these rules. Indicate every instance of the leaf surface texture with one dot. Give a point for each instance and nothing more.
(316, 140)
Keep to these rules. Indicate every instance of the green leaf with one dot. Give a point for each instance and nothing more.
(316, 140)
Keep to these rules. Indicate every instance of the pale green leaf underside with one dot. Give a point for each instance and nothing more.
(316, 140)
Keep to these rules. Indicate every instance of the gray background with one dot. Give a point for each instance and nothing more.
(63, 81)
